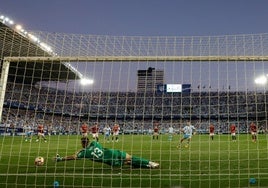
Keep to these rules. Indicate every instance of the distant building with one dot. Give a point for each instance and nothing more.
(149, 79)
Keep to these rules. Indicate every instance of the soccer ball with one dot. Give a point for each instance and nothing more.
(39, 161)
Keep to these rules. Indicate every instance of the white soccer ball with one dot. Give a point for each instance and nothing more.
(39, 161)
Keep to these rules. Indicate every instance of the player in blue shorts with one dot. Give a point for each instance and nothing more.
(95, 152)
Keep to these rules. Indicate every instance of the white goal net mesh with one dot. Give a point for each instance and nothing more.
(139, 83)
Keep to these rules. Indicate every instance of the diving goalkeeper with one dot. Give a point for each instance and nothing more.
(94, 151)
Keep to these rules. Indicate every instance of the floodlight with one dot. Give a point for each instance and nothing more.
(34, 38)
(11, 22)
(18, 27)
(86, 81)
(261, 80)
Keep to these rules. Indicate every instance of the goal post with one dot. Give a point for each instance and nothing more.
(3, 83)
(136, 58)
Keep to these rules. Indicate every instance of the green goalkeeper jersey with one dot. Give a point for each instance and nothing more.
(96, 152)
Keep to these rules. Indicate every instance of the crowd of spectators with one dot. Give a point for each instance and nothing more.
(64, 111)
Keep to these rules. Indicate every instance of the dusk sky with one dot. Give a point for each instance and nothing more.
(144, 18)
(141, 17)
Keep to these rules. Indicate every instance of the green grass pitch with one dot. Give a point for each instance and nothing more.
(205, 163)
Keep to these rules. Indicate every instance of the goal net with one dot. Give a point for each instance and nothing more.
(152, 87)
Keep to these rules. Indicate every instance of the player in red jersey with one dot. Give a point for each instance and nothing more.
(115, 132)
(211, 131)
(233, 132)
(253, 130)
(156, 130)
(95, 131)
(40, 133)
(84, 130)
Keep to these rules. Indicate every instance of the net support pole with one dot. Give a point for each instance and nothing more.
(3, 84)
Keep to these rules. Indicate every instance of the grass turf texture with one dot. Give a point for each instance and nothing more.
(205, 163)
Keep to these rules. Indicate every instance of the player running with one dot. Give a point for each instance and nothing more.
(187, 133)
(107, 133)
(115, 131)
(40, 133)
(211, 131)
(170, 133)
(233, 132)
(95, 131)
(84, 130)
(156, 130)
(95, 152)
(253, 130)
(28, 133)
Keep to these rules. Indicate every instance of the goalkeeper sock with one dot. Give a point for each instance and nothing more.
(58, 158)
(139, 162)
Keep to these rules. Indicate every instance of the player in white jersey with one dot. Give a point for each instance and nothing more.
(170, 132)
(28, 133)
(107, 133)
(187, 133)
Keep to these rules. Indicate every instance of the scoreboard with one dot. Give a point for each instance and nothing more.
(174, 88)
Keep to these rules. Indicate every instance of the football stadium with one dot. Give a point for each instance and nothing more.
(50, 103)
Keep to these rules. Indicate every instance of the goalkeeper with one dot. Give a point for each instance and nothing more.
(94, 151)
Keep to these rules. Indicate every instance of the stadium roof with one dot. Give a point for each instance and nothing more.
(14, 44)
